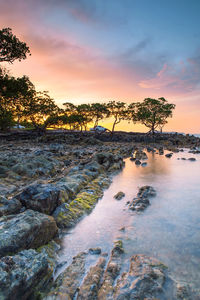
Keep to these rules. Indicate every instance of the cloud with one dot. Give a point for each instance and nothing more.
(183, 76)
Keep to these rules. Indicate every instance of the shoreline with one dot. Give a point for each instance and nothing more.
(86, 170)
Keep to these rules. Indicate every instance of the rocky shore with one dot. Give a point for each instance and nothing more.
(48, 184)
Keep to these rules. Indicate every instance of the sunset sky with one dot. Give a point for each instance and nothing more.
(101, 50)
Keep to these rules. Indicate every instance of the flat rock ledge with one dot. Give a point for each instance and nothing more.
(106, 280)
(142, 200)
(26, 230)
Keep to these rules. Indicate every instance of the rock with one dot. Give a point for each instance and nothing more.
(8, 207)
(161, 150)
(146, 191)
(183, 158)
(132, 159)
(139, 155)
(95, 250)
(112, 271)
(67, 283)
(192, 159)
(142, 200)
(119, 196)
(40, 197)
(23, 274)
(184, 292)
(68, 214)
(169, 155)
(122, 229)
(144, 280)
(90, 286)
(26, 230)
(3, 171)
(144, 164)
(137, 162)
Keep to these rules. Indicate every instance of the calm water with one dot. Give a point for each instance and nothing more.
(169, 229)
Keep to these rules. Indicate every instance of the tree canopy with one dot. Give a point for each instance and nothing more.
(11, 48)
(154, 112)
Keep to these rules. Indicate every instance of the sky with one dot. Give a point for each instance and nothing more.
(85, 51)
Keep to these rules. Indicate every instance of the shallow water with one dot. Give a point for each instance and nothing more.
(169, 229)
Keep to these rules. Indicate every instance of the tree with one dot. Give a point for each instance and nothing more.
(38, 110)
(118, 111)
(11, 48)
(99, 111)
(154, 112)
(15, 92)
(84, 115)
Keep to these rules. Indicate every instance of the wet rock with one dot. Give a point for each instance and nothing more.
(26, 230)
(95, 250)
(137, 162)
(8, 207)
(119, 196)
(90, 286)
(144, 280)
(40, 197)
(142, 200)
(112, 271)
(139, 155)
(183, 158)
(144, 164)
(192, 159)
(194, 151)
(67, 283)
(161, 150)
(122, 229)
(184, 292)
(132, 159)
(68, 214)
(168, 155)
(22, 275)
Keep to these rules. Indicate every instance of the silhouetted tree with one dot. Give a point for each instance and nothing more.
(154, 112)
(118, 111)
(11, 48)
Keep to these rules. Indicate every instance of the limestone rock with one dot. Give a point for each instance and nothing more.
(144, 280)
(8, 207)
(23, 274)
(26, 230)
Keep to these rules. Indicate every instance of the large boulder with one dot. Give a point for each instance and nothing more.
(23, 274)
(40, 197)
(8, 207)
(26, 230)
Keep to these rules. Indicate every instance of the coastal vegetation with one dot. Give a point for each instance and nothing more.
(21, 104)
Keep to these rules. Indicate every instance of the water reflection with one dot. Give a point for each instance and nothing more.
(168, 230)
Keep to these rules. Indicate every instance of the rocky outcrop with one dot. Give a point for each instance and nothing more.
(67, 283)
(26, 230)
(8, 207)
(91, 284)
(142, 200)
(22, 275)
(144, 280)
(112, 271)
